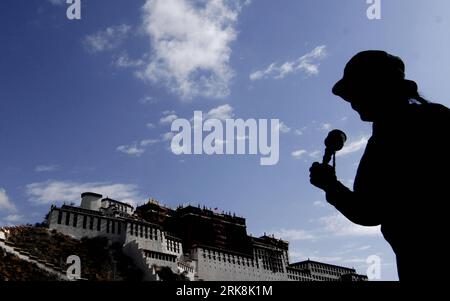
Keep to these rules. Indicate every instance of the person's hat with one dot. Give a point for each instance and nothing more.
(370, 67)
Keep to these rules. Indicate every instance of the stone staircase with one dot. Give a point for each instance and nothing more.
(132, 250)
(26, 256)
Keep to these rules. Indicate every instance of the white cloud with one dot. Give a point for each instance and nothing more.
(293, 234)
(14, 218)
(353, 147)
(352, 248)
(191, 45)
(320, 204)
(136, 148)
(5, 202)
(63, 191)
(46, 168)
(355, 260)
(124, 61)
(168, 119)
(168, 112)
(363, 248)
(315, 154)
(308, 64)
(335, 225)
(57, 2)
(299, 153)
(108, 39)
(132, 150)
(147, 142)
(298, 132)
(294, 255)
(147, 100)
(283, 128)
(150, 125)
(338, 225)
(325, 126)
(222, 112)
(167, 136)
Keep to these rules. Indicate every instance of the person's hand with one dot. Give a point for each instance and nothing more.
(322, 176)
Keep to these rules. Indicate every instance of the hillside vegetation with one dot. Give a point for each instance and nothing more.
(100, 260)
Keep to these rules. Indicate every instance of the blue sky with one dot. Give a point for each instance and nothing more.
(87, 104)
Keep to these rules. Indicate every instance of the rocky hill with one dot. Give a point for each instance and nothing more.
(100, 260)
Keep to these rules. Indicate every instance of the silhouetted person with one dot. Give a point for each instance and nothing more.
(402, 181)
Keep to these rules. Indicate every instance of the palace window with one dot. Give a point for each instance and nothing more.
(91, 223)
(67, 218)
(84, 221)
(59, 216)
(99, 223)
(75, 220)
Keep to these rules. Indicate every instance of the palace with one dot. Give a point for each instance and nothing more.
(197, 242)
